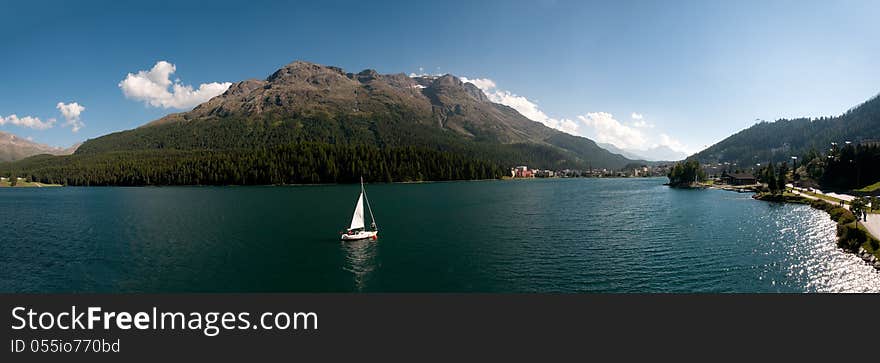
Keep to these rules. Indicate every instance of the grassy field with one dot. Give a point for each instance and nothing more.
(23, 184)
(821, 196)
(870, 188)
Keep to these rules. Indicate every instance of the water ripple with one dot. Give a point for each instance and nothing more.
(579, 235)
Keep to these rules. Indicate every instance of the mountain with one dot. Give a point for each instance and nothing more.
(663, 153)
(309, 123)
(619, 151)
(657, 153)
(15, 148)
(778, 141)
(307, 102)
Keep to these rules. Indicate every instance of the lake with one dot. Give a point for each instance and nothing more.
(555, 235)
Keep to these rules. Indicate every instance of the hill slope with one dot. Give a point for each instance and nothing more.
(306, 102)
(15, 148)
(778, 141)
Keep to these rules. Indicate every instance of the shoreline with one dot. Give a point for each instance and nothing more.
(30, 185)
(852, 237)
(502, 179)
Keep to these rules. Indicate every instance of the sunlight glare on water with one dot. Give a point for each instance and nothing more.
(816, 260)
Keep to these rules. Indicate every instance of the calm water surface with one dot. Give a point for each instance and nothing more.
(564, 235)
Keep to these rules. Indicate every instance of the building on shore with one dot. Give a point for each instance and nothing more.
(642, 171)
(522, 171)
(545, 173)
(738, 178)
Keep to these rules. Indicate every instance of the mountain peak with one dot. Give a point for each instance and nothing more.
(14, 147)
(301, 64)
(305, 101)
(448, 80)
(367, 75)
(305, 71)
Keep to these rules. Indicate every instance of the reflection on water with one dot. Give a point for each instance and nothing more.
(360, 260)
(556, 235)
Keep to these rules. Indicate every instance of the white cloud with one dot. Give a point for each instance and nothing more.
(601, 126)
(632, 138)
(674, 144)
(522, 105)
(639, 121)
(27, 121)
(484, 84)
(566, 125)
(609, 130)
(152, 87)
(642, 124)
(422, 73)
(71, 112)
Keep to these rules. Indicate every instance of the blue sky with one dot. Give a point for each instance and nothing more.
(695, 71)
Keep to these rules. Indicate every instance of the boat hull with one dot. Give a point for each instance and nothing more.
(360, 235)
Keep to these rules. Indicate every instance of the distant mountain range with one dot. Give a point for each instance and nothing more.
(307, 102)
(657, 153)
(780, 140)
(441, 118)
(309, 123)
(15, 148)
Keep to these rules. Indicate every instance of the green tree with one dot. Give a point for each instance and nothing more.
(769, 176)
(781, 177)
(858, 207)
(686, 173)
(295, 163)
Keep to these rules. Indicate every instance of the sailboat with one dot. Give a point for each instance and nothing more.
(357, 231)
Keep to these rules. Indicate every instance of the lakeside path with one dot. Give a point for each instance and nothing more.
(828, 197)
(872, 224)
(796, 191)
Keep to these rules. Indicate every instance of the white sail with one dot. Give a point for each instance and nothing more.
(357, 220)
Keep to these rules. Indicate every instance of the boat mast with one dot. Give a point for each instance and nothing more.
(364, 192)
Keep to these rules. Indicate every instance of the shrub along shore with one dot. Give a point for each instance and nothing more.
(851, 236)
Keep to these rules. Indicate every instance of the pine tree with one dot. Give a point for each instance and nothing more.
(770, 178)
(781, 178)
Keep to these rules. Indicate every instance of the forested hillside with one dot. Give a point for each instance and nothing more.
(308, 123)
(778, 141)
(301, 163)
(306, 102)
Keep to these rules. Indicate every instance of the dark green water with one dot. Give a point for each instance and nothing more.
(573, 235)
